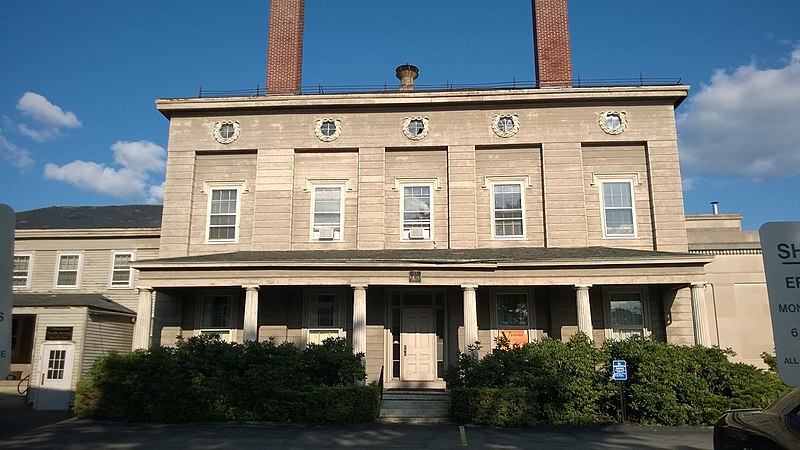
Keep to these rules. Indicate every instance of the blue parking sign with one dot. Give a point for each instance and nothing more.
(620, 367)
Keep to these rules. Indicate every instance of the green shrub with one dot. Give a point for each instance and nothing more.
(571, 382)
(497, 407)
(206, 379)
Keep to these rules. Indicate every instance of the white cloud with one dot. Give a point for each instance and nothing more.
(43, 135)
(19, 158)
(688, 183)
(744, 122)
(139, 160)
(41, 110)
(141, 156)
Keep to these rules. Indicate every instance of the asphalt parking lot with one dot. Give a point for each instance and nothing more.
(28, 429)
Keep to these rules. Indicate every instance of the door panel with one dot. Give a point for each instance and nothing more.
(55, 376)
(418, 339)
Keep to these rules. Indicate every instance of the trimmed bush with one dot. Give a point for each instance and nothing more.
(206, 379)
(571, 383)
(496, 407)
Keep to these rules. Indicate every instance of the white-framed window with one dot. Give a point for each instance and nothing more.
(513, 316)
(327, 212)
(416, 207)
(626, 313)
(508, 213)
(617, 207)
(223, 214)
(121, 271)
(23, 266)
(216, 314)
(68, 270)
(324, 315)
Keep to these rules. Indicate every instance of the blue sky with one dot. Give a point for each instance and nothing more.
(78, 81)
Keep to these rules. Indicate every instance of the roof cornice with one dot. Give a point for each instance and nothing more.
(667, 94)
(39, 233)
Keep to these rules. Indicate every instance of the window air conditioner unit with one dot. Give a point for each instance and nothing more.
(416, 233)
(326, 233)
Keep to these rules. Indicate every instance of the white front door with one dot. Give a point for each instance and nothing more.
(55, 376)
(418, 340)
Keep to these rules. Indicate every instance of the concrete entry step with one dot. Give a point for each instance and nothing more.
(415, 405)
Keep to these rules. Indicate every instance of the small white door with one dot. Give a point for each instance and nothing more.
(418, 339)
(54, 387)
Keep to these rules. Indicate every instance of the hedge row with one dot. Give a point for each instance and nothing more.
(206, 379)
(555, 382)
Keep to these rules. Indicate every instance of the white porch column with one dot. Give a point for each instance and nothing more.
(470, 316)
(143, 327)
(360, 319)
(251, 313)
(584, 309)
(699, 318)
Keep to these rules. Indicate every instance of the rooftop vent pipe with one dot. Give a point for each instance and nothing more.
(407, 74)
(715, 208)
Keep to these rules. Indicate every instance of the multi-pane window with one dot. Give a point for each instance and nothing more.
(416, 212)
(618, 208)
(22, 267)
(512, 310)
(323, 317)
(508, 215)
(55, 364)
(68, 270)
(217, 311)
(627, 314)
(326, 220)
(223, 215)
(121, 272)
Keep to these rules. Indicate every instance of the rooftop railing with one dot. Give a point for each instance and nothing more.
(513, 84)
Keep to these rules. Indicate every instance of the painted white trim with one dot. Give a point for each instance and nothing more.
(521, 185)
(208, 188)
(29, 273)
(405, 237)
(79, 274)
(114, 254)
(632, 181)
(314, 231)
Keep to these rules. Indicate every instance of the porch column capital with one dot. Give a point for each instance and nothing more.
(359, 286)
(582, 287)
(469, 287)
(251, 287)
(141, 289)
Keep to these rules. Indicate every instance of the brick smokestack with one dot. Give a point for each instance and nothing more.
(285, 46)
(551, 42)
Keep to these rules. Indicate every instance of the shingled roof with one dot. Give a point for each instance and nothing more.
(91, 301)
(81, 217)
(440, 256)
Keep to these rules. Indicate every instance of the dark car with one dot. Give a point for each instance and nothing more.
(776, 426)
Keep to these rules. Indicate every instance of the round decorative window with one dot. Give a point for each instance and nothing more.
(328, 129)
(505, 125)
(226, 131)
(416, 128)
(612, 122)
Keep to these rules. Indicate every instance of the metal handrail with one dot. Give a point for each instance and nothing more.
(19, 385)
(380, 382)
(577, 82)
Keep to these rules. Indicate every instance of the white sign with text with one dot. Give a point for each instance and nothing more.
(780, 246)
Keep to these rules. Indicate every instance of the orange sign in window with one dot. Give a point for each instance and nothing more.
(515, 337)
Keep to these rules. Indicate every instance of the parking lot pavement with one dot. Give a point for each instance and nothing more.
(86, 434)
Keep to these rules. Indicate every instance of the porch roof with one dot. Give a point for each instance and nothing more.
(91, 301)
(519, 256)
